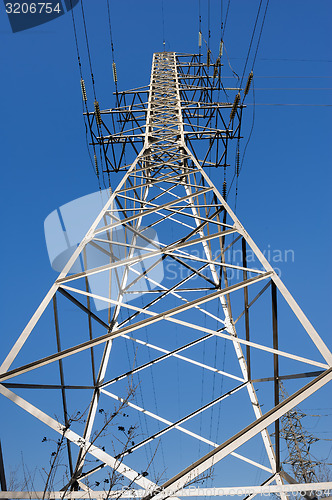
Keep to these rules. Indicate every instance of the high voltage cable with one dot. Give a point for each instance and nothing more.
(88, 49)
(226, 17)
(221, 25)
(209, 30)
(163, 24)
(237, 168)
(199, 27)
(251, 41)
(248, 140)
(252, 69)
(260, 34)
(84, 101)
(252, 127)
(115, 78)
(95, 97)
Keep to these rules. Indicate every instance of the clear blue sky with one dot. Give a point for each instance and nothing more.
(285, 184)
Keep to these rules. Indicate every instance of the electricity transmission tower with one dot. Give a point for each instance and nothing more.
(298, 442)
(175, 299)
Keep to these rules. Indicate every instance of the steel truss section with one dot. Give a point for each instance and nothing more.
(167, 212)
(205, 104)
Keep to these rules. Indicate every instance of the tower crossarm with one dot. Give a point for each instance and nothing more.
(184, 85)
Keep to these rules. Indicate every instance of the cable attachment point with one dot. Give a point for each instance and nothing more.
(115, 76)
(250, 77)
(97, 113)
(235, 105)
(83, 90)
(208, 57)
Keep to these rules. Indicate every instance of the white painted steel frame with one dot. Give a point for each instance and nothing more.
(166, 157)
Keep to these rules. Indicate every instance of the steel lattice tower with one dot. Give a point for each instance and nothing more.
(167, 210)
(298, 442)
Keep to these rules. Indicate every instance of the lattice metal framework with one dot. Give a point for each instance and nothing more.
(298, 442)
(209, 111)
(167, 212)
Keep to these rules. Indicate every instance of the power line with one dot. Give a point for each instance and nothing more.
(163, 23)
(209, 30)
(88, 49)
(84, 101)
(249, 137)
(260, 34)
(226, 17)
(251, 41)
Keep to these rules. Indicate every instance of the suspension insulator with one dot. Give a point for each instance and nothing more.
(199, 39)
(221, 47)
(235, 105)
(96, 164)
(224, 188)
(237, 162)
(250, 77)
(215, 71)
(97, 113)
(83, 90)
(115, 76)
(208, 57)
(218, 61)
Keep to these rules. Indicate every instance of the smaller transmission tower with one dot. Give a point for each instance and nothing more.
(298, 441)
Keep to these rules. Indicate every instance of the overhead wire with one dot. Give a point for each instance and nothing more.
(163, 24)
(112, 48)
(226, 17)
(260, 35)
(154, 389)
(88, 50)
(84, 98)
(253, 85)
(209, 26)
(238, 168)
(253, 88)
(229, 64)
(95, 95)
(114, 70)
(221, 22)
(140, 418)
(199, 28)
(251, 41)
(202, 394)
(248, 140)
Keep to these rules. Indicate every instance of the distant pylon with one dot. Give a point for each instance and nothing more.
(298, 441)
(168, 238)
